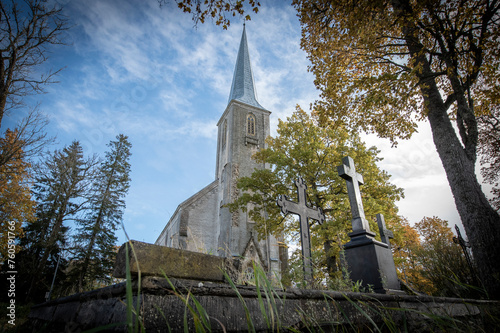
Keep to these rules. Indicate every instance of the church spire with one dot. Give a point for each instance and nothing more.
(243, 88)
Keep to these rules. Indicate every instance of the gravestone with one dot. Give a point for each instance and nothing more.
(304, 212)
(385, 234)
(368, 260)
(161, 261)
(464, 245)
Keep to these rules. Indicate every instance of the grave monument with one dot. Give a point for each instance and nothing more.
(305, 213)
(368, 260)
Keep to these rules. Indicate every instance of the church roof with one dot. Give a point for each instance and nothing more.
(243, 88)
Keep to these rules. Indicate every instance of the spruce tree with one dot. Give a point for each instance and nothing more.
(95, 237)
(60, 187)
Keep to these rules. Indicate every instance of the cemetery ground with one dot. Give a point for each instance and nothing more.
(215, 302)
(167, 289)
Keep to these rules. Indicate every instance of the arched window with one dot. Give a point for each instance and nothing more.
(250, 124)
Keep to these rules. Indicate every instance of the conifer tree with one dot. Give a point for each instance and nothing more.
(95, 237)
(61, 186)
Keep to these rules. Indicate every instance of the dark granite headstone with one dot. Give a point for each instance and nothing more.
(368, 260)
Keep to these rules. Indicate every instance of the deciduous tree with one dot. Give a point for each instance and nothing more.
(304, 149)
(27, 29)
(216, 9)
(489, 149)
(29, 139)
(442, 262)
(405, 248)
(16, 204)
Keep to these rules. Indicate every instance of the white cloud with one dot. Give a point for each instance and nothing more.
(146, 72)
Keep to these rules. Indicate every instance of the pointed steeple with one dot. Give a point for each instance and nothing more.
(243, 88)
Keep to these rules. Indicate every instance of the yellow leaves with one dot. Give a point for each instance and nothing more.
(367, 75)
(218, 10)
(427, 258)
(16, 206)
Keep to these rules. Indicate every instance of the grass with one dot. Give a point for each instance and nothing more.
(269, 310)
(367, 315)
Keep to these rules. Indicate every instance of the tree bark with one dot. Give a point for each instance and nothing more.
(480, 220)
(331, 260)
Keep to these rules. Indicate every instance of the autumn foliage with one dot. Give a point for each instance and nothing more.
(16, 204)
(430, 262)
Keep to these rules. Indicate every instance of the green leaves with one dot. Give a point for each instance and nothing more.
(304, 148)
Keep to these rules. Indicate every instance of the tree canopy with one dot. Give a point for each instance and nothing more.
(16, 204)
(489, 149)
(438, 265)
(383, 65)
(304, 149)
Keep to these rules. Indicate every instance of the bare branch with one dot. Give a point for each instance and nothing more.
(27, 30)
(30, 139)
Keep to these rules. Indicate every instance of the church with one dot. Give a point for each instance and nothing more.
(203, 223)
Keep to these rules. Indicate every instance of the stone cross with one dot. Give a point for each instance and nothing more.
(460, 240)
(353, 180)
(368, 260)
(385, 234)
(464, 244)
(305, 212)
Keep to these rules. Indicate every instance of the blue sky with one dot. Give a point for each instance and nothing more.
(147, 72)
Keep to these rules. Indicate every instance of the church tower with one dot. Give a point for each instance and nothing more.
(242, 130)
(202, 223)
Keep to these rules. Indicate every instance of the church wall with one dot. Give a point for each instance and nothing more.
(170, 235)
(202, 225)
(193, 224)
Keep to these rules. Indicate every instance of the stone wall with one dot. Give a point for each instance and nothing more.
(300, 309)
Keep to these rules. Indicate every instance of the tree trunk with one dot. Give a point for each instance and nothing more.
(88, 252)
(48, 247)
(97, 225)
(331, 260)
(480, 220)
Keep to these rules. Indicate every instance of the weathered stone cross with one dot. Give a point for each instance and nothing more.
(300, 208)
(353, 180)
(385, 234)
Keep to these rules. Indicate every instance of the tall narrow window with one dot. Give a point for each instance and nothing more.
(224, 134)
(250, 124)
